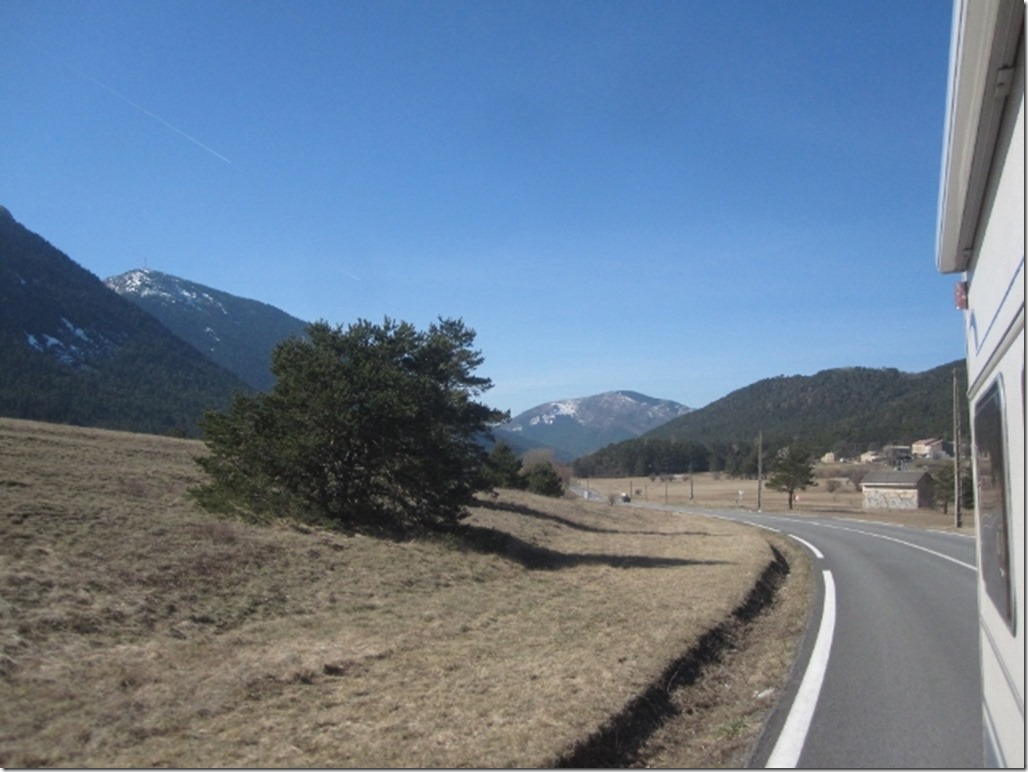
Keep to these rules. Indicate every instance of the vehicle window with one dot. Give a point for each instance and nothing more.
(991, 477)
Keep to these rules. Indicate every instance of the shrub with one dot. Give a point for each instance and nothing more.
(540, 477)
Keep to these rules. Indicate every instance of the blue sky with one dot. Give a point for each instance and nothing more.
(678, 198)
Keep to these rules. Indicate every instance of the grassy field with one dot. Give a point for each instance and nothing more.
(137, 631)
(712, 491)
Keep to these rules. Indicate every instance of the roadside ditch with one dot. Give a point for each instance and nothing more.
(708, 707)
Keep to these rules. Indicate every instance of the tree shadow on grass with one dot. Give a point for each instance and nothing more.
(537, 558)
(521, 509)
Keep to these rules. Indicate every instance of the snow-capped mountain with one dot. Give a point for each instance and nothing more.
(236, 333)
(574, 427)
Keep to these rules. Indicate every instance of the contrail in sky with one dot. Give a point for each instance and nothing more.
(143, 110)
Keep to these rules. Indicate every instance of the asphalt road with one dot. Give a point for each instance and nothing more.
(895, 637)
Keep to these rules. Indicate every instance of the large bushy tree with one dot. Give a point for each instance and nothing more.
(374, 427)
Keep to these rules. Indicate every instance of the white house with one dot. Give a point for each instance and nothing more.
(930, 448)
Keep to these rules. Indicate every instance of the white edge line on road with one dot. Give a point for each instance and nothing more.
(759, 525)
(786, 753)
(808, 545)
(904, 525)
(901, 541)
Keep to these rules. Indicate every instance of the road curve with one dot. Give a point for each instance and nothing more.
(899, 685)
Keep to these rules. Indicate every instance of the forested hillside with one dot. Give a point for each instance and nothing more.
(846, 410)
(72, 351)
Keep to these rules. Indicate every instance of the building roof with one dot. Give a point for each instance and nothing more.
(894, 479)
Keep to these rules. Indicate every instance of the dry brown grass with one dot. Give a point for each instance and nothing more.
(719, 718)
(712, 491)
(137, 631)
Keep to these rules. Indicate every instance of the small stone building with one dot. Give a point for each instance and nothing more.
(898, 490)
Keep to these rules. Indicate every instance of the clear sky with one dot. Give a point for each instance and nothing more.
(679, 198)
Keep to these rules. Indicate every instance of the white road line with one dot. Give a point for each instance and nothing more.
(808, 545)
(758, 525)
(900, 541)
(786, 753)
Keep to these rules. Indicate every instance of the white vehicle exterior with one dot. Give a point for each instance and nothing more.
(981, 236)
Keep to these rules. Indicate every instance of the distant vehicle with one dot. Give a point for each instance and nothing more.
(981, 236)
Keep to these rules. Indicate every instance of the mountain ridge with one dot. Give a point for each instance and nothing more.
(74, 350)
(572, 427)
(858, 405)
(236, 333)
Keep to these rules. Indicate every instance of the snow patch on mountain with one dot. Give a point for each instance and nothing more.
(577, 426)
(237, 333)
(70, 344)
(143, 282)
(567, 409)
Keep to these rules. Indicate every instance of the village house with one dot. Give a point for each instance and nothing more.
(934, 449)
(898, 490)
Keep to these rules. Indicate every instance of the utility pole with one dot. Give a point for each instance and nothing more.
(760, 465)
(958, 518)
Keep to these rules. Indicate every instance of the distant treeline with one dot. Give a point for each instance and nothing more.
(647, 457)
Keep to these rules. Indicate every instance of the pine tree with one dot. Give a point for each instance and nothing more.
(542, 478)
(373, 427)
(503, 468)
(791, 471)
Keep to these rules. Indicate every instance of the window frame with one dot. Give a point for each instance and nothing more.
(992, 503)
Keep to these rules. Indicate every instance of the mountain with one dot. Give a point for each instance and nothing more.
(573, 427)
(234, 332)
(73, 351)
(856, 406)
(846, 410)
